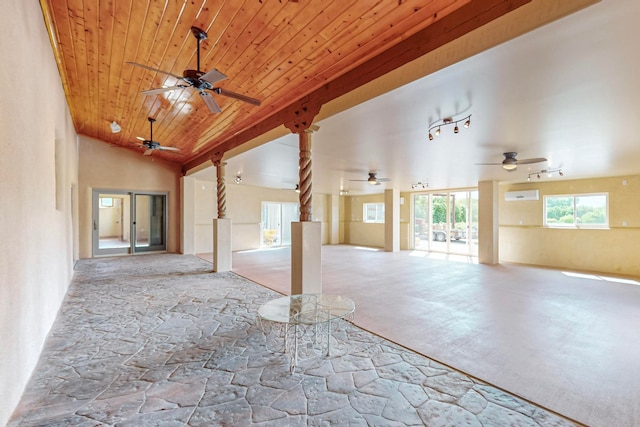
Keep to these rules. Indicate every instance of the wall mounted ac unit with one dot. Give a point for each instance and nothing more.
(512, 196)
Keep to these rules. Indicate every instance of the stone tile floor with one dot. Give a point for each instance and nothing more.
(159, 340)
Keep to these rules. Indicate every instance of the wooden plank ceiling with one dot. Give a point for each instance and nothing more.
(283, 53)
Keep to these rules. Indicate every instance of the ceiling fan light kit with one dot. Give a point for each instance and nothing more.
(434, 128)
(510, 162)
(373, 179)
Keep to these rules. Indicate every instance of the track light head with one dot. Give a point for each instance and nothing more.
(468, 122)
(430, 136)
(455, 129)
(438, 131)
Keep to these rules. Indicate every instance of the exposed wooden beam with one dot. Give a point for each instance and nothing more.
(456, 24)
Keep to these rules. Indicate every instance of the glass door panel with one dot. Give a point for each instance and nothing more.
(290, 213)
(149, 224)
(271, 220)
(439, 226)
(421, 221)
(111, 219)
(459, 222)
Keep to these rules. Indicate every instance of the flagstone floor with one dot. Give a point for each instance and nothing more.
(159, 340)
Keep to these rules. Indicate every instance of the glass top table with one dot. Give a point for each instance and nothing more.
(306, 309)
(305, 325)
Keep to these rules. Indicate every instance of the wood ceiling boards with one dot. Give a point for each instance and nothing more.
(281, 52)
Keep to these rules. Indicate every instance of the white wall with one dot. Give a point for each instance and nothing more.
(38, 186)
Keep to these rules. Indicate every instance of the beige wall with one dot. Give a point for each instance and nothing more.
(244, 208)
(105, 167)
(613, 250)
(355, 232)
(38, 186)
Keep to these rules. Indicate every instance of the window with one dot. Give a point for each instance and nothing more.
(581, 210)
(373, 212)
(106, 202)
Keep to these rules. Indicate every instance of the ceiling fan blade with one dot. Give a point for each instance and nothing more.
(213, 76)
(383, 180)
(529, 161)
(237, 96)
(139, 138)
(168, 148)
(211, 103)
(491, 164)
(148, 152)
(161, 90)
(146, 67)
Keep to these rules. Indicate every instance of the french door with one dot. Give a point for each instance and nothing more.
(126, 222)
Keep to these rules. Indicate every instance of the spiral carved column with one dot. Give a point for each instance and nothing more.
(305, 176)
(222, 188)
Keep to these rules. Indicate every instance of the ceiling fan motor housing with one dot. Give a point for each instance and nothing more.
(193, 78)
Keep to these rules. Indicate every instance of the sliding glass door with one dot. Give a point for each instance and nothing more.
(126, 222)
(446, 222)
(276, 223)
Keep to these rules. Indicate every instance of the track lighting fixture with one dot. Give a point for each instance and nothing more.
(549, 173)
(420, 186)
(344, 192)
(238, 179)
(434, 128)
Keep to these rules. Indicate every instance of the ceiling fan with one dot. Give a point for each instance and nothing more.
(510, 163)
(373, 179)
(199, 80)
(152, 145)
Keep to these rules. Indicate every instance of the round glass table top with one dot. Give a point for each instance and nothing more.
(306, 308)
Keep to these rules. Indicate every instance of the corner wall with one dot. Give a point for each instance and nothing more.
(524, 239)
(38, 184)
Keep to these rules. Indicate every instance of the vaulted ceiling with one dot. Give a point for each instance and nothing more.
(539, 79)
(282, 53)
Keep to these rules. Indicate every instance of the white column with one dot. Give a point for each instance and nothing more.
(392, 220)
(188, 214)
(222, 244)
(306, 257)
(334, 219)
(488, 225)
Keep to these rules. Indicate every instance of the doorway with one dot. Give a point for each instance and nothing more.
(446, 222)
(126, 222)
(276, 223)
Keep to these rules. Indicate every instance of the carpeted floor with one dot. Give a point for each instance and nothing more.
(160, 340)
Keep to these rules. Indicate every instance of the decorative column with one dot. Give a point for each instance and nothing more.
(488, 226)
(221, 225)
(306, 235)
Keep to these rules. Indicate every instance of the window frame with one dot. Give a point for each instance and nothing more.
(575, 224)
(379, 213)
